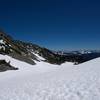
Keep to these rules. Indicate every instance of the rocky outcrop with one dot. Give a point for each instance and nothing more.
(4, 66)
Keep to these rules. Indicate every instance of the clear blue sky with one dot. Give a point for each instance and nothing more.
(55, 24)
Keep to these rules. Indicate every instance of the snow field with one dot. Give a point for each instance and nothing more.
(45, 81)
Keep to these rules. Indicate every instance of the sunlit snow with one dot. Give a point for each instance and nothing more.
(45, 81)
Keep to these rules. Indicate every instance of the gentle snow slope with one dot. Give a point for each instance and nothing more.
(51, 82)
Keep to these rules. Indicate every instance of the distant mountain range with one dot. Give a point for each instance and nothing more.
(30, 53)
(78, 52)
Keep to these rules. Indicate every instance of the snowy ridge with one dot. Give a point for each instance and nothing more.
(40, 58)
(45, 81)
(28, 52)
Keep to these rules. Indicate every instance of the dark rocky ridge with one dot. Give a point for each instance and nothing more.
(23, 51)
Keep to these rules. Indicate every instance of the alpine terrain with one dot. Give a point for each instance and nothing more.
(31, 72)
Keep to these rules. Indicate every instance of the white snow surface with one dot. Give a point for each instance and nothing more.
(2, 41)
(45, 81)
(40, 58)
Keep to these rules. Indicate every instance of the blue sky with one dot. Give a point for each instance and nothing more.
(55, 24)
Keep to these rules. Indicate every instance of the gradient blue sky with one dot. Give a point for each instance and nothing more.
(55, 24)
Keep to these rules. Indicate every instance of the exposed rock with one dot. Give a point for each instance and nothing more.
(4, 66)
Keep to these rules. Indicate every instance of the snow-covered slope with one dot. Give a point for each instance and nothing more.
(45, 81)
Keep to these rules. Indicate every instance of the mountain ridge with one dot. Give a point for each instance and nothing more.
(29, 52)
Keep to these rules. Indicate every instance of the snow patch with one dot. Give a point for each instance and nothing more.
(40, 58)
(2, 42)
